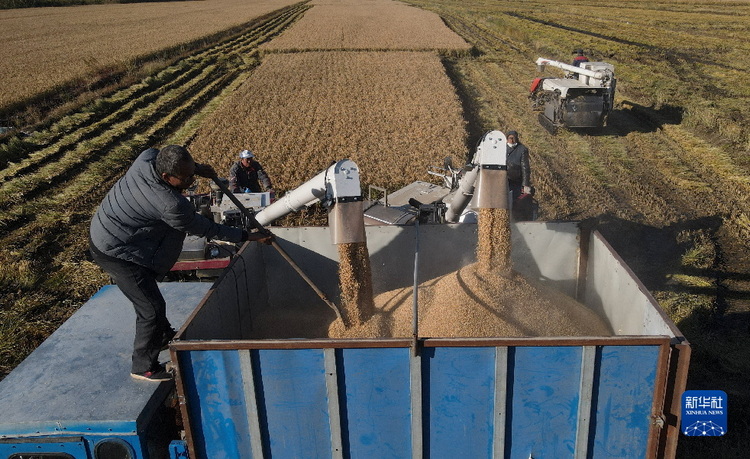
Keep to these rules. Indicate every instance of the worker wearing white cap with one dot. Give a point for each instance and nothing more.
(248, 176)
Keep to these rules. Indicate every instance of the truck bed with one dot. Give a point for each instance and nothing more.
(82, 371)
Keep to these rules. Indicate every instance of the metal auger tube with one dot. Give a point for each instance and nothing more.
(337, 182)
(488, 175)
(597, 74)
(463, 195)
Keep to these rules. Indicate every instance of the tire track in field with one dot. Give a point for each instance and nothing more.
(482, 38)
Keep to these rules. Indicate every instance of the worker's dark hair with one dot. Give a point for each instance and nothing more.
(169, 159)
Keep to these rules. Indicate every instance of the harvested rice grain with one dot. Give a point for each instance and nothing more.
(493, 246)
(355, 282)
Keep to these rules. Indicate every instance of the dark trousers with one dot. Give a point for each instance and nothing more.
(139, 286)
(521, 209)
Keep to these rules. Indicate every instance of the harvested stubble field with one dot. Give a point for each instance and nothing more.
(666, 181)
(52, 180)
(48, 48)
(370, 25)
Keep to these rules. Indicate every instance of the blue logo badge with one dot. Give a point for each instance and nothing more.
(704, 413)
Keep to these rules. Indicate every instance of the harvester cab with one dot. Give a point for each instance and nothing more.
(583, 98)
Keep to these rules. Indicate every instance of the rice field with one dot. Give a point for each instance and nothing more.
(370, 25)
(52, 180)
(44, 48)
(666, 181)
(393, 113)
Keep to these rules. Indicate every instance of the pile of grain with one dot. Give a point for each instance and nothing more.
(484, 299)
(473, 303)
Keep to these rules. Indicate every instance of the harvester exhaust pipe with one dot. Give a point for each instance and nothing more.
(489, 173)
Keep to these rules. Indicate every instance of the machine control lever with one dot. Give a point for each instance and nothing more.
(254, 223)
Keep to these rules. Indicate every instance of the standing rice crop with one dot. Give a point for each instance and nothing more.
(393, 113)
(47, 47)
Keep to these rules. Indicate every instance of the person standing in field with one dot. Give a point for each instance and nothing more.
(247, 175)
(136, 236)
(580, 58)
(519, 176)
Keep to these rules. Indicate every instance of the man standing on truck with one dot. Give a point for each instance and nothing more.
(136, 236)
(247, 175)
(519, 176)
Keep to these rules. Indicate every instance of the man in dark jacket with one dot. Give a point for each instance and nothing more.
(519, 171)
(136, 236)
(247, 175)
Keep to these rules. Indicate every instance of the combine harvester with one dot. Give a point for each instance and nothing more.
(250, 387)
(582, 99)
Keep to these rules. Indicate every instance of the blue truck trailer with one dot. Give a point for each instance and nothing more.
(242, 391)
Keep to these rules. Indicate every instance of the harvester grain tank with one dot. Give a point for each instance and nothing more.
(582, 99)
(245, 390)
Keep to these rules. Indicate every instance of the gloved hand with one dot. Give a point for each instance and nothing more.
(528, 190)
(264, 236)
(266, 239)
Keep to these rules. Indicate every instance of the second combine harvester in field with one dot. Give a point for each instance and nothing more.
(582, 99)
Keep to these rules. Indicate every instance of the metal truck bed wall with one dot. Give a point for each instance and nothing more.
(73, 395)
(474, 397)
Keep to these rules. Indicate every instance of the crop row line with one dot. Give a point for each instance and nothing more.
(101, 108)
(155, 84)
(265, 32)
(47, 174)
(89, 127)
(47, 211)
(53, 174)
(482, 38)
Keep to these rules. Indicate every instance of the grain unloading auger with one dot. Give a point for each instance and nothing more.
(255, 363)
(583, 99)
(455, 200)
(338, 188)
(488, 174)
